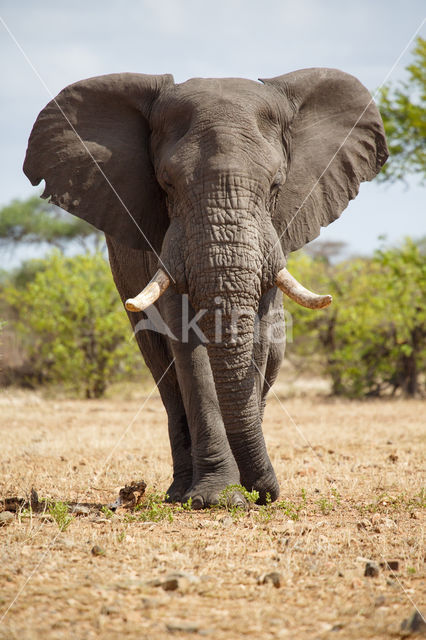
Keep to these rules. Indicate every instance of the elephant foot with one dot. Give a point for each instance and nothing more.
(206, 490)
(178, 488)
(266, 484)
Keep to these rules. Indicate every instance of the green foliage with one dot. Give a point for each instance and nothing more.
(292, 509)
(225, 497)
(154, 509)
(372, 339)
(325, 505)
(187, 506)
(24, 273)
(386, 503)
(72, 324)
(403, 110)
(60, 513)
(108, 513)
(35, 221)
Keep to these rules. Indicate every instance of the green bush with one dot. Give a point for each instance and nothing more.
(372, 340)
(72, 324)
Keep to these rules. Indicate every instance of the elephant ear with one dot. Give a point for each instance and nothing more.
(337, 141)
(91, 146)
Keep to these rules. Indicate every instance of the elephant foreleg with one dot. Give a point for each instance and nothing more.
(130, 268)
(214, 467)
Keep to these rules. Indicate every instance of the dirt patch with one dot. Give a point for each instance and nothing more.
(351, 476)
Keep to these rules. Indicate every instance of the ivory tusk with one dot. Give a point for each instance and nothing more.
(297, 292)
(153, 290)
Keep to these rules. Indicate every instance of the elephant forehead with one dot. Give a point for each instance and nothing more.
(219, 86)
(229, 95)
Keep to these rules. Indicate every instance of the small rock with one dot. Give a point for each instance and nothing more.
(170, 583)
(100, 520)
(416, 623)
(274, 578)
(390, 565)
(393, 457)
(379, 601)
(182, 628)
(6, 517)
(363, 524)
(371, 570)
(108, 610)
(47, 517)
(80, 510)
(174, 582)
(97, 551)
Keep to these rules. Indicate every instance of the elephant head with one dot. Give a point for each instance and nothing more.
(222, 179)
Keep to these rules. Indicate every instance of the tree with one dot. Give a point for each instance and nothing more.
(72, 324)
(35, 221)
(372, 340)
(403, 109)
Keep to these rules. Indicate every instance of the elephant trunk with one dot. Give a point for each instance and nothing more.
(226, 278)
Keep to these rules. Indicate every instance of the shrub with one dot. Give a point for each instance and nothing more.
(372, 339)
(72, 324)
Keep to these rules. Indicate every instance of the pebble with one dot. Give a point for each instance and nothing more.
(274, 578)
(174, 582)
(6, 517)
(97, 551)
(371, 570)
(182, 628)
(80, 510)
(390, 565)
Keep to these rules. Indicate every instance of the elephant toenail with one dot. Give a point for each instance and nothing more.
(197, 502)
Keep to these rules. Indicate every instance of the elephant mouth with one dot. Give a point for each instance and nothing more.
(284, 281)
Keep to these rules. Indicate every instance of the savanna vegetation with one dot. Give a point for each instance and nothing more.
(339, 554)
(63, 323)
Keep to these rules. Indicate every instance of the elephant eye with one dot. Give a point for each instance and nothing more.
(277, 181)
(166, 181)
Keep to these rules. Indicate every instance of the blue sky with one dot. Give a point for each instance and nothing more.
(65, 42)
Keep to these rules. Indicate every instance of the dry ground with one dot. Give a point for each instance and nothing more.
(351, 477)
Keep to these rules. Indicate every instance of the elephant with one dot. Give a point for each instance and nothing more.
(203, 189)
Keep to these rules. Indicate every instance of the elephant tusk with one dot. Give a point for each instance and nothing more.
(153, 290)
(297, 292)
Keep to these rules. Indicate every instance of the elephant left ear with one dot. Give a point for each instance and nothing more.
(91, 145)
(337, 141)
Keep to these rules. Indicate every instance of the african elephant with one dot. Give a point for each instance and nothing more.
(209, 185)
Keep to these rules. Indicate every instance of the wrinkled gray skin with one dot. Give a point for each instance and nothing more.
(222, 179)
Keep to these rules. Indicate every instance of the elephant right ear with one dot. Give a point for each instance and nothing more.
(91, 146)
(337, 142)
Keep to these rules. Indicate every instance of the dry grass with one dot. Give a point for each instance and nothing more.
(359, 466)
